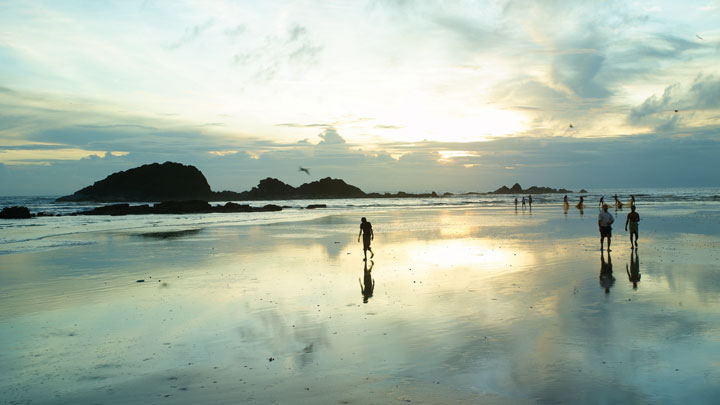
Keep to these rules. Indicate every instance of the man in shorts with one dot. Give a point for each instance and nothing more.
(367, 234)
(605, 220)
(632, 219)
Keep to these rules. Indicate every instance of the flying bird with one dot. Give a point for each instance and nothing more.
(571, 126)
(698, 36)
(302, 169)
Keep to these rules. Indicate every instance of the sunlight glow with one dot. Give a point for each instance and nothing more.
(223, 152)
(36, 156)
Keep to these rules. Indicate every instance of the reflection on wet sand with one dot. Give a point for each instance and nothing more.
(367, 286)
(606, 272)
(633, 271)
(473, 307)
(170, 234)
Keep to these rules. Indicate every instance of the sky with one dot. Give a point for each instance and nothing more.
(388, 95)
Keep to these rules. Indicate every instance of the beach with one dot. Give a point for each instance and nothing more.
(470, 304)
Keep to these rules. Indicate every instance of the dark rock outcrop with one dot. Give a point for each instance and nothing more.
(274, 189)
(153, 182)
(176, 207)
(329, 188)
(517, 189)
(315, 206)
(16, 212)
(269, 189)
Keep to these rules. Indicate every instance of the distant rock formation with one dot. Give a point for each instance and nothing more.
(274, 189)
(175, 207)
(16, 212)
(153, 182)
(177, 182)
(517, 189)
(172, 181)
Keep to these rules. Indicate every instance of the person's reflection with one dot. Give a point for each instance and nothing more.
(581, 206)
(369, 283)
(606, 277)
(633, 271)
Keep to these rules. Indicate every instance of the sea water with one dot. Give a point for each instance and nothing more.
(62, 230)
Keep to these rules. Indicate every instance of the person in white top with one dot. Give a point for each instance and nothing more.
(605, 220)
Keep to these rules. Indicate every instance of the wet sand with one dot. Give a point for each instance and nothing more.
(469, 306)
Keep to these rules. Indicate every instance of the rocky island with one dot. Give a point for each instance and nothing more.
(517, 189)
(172, 181)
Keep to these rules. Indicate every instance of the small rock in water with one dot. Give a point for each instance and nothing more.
(271, 359)
(140, 281)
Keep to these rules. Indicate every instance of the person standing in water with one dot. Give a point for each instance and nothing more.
(632, 219)
(602, 201)
(530, 201)
(366, 232)
(515, 203)
(605, 220)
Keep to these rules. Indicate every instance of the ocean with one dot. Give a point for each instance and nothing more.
(51, 232)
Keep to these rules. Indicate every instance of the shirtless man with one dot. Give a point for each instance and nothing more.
(632, 219)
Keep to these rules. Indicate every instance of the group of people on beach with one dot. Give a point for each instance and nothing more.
(605, 221)
(528, 201)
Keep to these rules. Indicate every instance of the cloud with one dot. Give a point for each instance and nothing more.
(192, 33)
(279, 55)
(650, 160)
(579, 72)
(297, 125)
(659, 110)
(236, 31)
(331, 137)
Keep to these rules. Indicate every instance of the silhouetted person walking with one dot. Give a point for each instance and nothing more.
(605, 221)
(366, 232)
(515, 203)
(602, 201)
(523, 202)
(530, 201)
(632, 219)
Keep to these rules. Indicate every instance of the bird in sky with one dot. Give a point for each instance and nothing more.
(302, 169)
(698, 36)
(571, 126)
